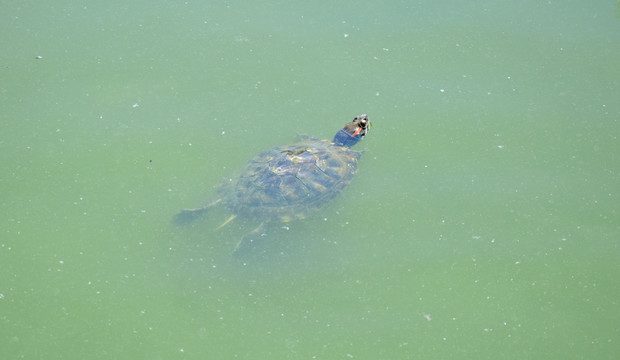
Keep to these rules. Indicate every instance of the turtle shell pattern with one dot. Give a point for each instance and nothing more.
(287, 182)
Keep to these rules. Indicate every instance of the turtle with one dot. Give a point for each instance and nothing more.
(289, 182)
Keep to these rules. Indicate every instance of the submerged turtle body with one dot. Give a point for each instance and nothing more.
(288, 182)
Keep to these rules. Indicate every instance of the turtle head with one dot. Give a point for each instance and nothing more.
(353, 132)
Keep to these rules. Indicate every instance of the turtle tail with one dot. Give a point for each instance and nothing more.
(188, 215)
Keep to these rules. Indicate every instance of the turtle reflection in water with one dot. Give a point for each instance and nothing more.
(289, 182)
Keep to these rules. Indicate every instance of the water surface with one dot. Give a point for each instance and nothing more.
(483, 222)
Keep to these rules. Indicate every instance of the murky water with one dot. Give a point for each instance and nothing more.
(483, 222)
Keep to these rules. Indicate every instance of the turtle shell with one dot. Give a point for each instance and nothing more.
(288, 182)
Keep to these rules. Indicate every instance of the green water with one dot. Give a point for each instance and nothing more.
(483, 222)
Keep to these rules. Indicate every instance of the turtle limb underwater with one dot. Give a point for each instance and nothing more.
(248, 239)
(289, 182)
(188, 215)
